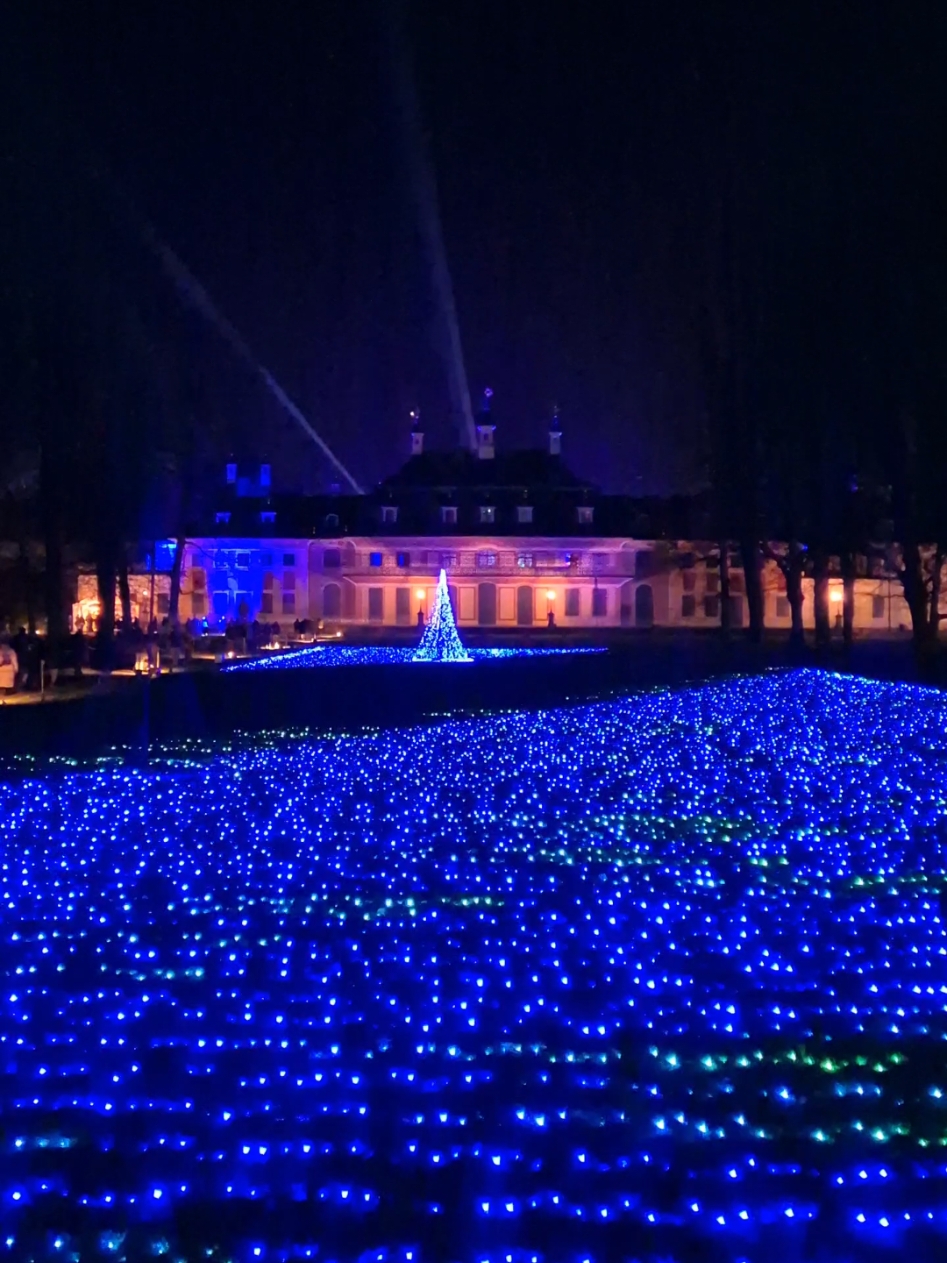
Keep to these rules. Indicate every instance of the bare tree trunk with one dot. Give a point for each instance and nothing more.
(105, 572)
(915, 591)
(177, 566)
(820, 570)
(936, 578)
(124, 591)
(753, 573)
(848, 598)
(724, 589)
(794, 573)
(26, 578)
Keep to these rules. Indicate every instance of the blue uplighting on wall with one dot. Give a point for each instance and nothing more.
(663, 977)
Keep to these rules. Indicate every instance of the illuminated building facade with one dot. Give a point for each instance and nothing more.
(524, 541)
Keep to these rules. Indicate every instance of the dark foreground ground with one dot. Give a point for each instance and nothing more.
(136, 712)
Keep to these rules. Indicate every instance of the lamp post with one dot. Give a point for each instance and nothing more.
(550, 607)
(420, 596)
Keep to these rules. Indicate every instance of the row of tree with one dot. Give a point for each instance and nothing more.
(821, 322)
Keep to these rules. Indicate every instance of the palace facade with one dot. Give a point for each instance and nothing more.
(524, 541)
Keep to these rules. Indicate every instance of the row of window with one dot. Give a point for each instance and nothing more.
(225, 559)
(403, 608)
(487, 514)
(484, 560)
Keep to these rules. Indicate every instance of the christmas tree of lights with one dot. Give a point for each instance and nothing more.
(440, 642)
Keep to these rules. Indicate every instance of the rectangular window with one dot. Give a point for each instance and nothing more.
(572, 602)
(243, 561)
(645, 563)
(584, 514)
(331, 559)
(289, 581)
(163, 601)
(524, 514)
(487, 514)
(289, 559)
(486, 560)
(374, 560)
(268, 581)
(389, 513)
(266, 603)
(289, 602)
(449, 514)
(877, 607)
(376, 604)
(448, 560)
(266, 560)
(737, 584)
(599, 563)
(223, 518)
(199, 604)
(403, 560)
(689, 580)
(599, 602)
(525, 561)
(782, 607)
(688, 605)
(403, 605)
(711, 606)
(712, 582)
(198, 579)
(267, 516)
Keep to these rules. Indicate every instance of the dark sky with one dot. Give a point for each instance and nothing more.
(580, 150)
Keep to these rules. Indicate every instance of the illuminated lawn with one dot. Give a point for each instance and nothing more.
(378, 655)
(661, 978)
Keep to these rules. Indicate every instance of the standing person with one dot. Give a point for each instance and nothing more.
(9, 668)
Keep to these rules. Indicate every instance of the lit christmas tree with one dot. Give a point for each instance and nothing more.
(440, 642)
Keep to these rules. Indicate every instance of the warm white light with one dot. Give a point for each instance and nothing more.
(550, 595)
(420, 594)
(836, 595)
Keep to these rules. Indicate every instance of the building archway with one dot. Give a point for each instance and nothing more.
(627, 598)
(524, 606)
(644, 605)
(331, 601)
(487, 604)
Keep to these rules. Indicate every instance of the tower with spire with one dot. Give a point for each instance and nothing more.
(417, 433)
(555, 434)
(485, 428)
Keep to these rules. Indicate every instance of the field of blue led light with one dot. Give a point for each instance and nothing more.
(663, 977)
(379, 655)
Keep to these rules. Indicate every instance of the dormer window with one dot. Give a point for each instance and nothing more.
(389, 513)
(332, 521)
(268, 515)
(223, 517)
(524, 514)
(449, 514)
(488, 514)
(584, 514)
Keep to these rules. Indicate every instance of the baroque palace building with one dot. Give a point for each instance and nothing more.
(520, 536)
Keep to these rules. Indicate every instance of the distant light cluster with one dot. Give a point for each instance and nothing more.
(328, 655)
(658, 978)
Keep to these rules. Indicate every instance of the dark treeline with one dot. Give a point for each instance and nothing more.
(822, 320)
(803, 204)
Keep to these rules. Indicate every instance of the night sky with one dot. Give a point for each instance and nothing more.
(582, 154)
